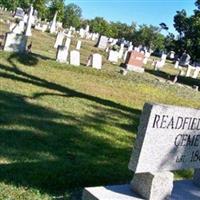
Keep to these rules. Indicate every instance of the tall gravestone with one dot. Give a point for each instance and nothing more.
(53, 24)
(168, 139)
(59, 39)
(78, 46)
(29, 22)
(67, 43)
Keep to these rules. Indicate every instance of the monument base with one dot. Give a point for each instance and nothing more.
(182, 190)
(135, 68)
(153, 186)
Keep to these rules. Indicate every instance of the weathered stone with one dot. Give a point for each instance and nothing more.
(113, 56)
(75, 58)
(153, 186)
(167, 139)
(96, 61)
(78, 46)
(103, 42)
(182, 190)
(29, 22)
(15, 42)
(134, 61)
(59, 39)
(53, 24)
(62, 54)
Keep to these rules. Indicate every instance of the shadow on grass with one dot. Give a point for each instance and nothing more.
(181, 79)
(29, 59)
(55, 152)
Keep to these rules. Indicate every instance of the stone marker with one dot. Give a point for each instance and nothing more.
(53, 24)
(82, 33)
(87, 29)
(18, 28)
(15, 42)
(62, 54)
(174, 130)
(146, 57)
(75, 58)
(168, 139)
(29, 22)
(59, 39)
(134, 61)
(196, 71)
(78, 46)
(121, 51)
(102, 42)
(67, 43)
(96, 61)
(113, 56)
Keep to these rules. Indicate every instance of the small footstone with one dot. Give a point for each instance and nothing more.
(153, 186)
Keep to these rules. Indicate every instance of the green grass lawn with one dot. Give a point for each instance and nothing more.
(63, 128)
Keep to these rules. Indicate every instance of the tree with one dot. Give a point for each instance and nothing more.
(99, 25)
(41, 7)
(72, 16)
(189, 31)
(56, 6)
(123, 30)
(149, 36)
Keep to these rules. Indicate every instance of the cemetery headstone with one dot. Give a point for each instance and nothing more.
(113, 56)
(59, 39)
(96, 61)
(146, 57)
(67, 43)
(17, 28)
(102, 42)
(53, 24)
(87, 29)
(75, 58)
(134, 61)
(121, 51)
(29, 22)
(82, 33)
(78, 46)
(15, 42)
(62, 54)
(19, 13)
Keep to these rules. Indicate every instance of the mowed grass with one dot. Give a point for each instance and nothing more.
(63, 128)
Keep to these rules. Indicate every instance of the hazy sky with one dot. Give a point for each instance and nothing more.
(140, 11)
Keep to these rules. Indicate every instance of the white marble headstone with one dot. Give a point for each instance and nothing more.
(59, 39)
(97, 61)
(62, 54)
(75, 58)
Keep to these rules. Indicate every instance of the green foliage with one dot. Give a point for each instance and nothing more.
(99, 25)
(72, 16)
(56, 6)
(40, 6)
(149, 36)
(188, 28)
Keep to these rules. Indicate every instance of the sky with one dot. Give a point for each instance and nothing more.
(140, 11)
